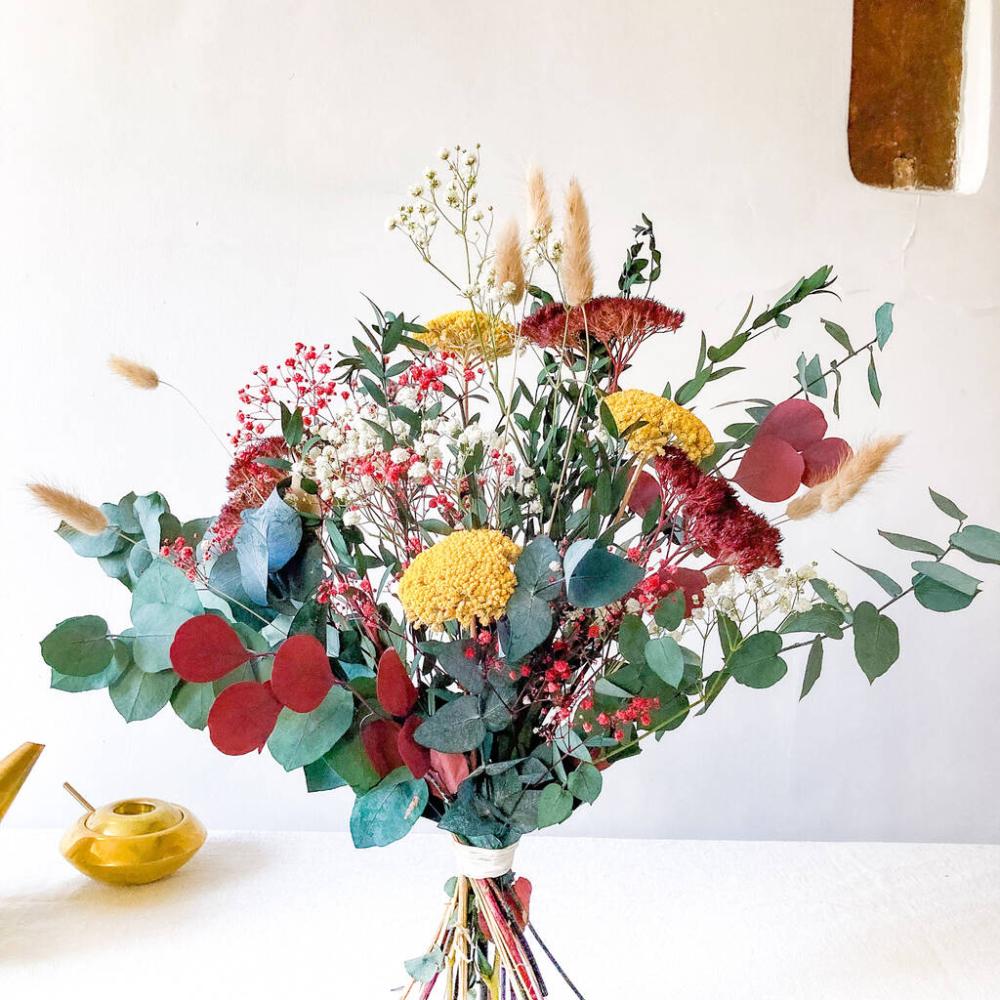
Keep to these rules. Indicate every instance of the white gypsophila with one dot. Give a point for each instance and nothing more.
(760, 595)
(399, 455)
(417, 471)
(352, 518)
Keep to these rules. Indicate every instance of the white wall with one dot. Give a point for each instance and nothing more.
(200, 184)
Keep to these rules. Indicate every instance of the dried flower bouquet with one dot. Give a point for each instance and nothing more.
(468, 565)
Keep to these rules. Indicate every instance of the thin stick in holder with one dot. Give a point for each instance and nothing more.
(79, 798)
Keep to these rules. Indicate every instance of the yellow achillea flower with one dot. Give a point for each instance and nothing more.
(666, 423)
(466, 577)
(474, 337)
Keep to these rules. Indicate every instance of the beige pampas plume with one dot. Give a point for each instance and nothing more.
(847, 481)
(508, 264)
(806, 505)
(140, 376)
(539, 210)
(77, 513)
(576, 267)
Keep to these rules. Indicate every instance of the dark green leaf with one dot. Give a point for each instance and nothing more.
(596, 577)
(321, 776)
(79, 647)
(453, 659)
(979, 543)
(454, 728)
(756, 663)
(814, 665)
(670, 611)
(530, 620)
(824, 620)
(873, 386)
(585, 782)
(632, 638)
(949, 576)
(554, 805)
(910, 544)
(876, 641)
(838, 333)
(947, 506)
(666, 659)
(885, 581)
(937, 597)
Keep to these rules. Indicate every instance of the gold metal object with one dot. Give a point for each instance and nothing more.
(133, 841)
(79, 798)
(14, 769)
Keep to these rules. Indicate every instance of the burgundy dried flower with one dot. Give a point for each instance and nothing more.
(618, 323)
(727, 530)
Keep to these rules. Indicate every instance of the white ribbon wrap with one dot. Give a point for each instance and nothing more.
(481, 862)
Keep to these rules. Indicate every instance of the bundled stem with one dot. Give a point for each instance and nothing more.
(483, 947)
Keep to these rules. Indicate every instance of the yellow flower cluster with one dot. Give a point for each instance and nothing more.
(466, 577)
(474, 337)
(666, 423)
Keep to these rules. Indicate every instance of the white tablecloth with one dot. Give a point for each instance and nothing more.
(289, 915)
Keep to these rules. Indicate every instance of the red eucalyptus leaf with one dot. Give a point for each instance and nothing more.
(393, 687)
(823, 459)
(692, 581)
(206, 648)
(415, 757)
(521, 902)
(242, 717)
(771, 469)
(301, 677)
(379, 739)
(796, 421)
(644, 494)
(451, 768)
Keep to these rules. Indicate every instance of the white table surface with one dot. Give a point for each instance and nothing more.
(289, 915)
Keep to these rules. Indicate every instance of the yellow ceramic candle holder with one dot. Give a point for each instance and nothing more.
(133, 841)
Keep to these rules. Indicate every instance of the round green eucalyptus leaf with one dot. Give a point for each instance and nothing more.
(155, 627)
(164, 583)
(138, 695)
(756, 663)
(78, 647)
(979, 543)
(454, 728)
(555, 805)
(91, 546)
(192, 702)
(666, 659)
(937, 596)
(585, 783)
(299, 738)
(387, 812)
(93, 682)
(139, 560)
